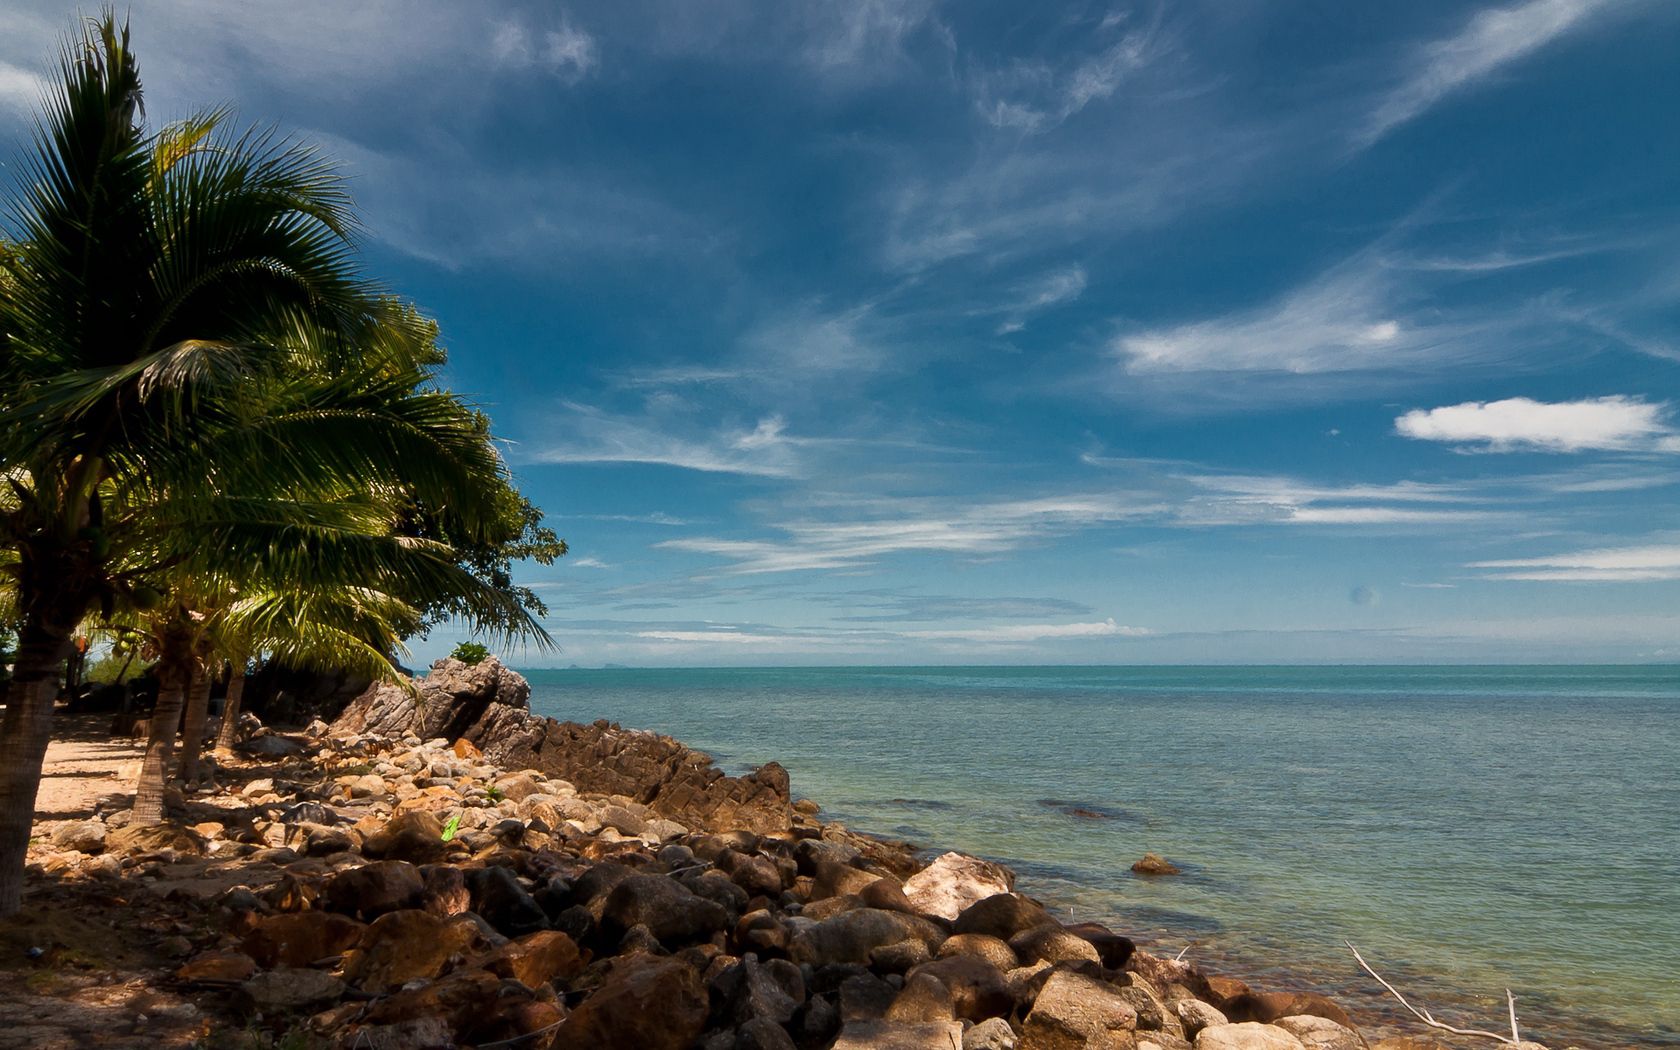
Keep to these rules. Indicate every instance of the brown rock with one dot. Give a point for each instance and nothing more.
(1073, 1012)
(1249, 1035)
(444, 890)
(374, 889)
(1113, 949)
(1267, 1007)
(536, 959)
(300, 938)
(412, 835)
(466, 749)
(1001, 915)
(401, 946)
(217, 968)
(1053, 944)
(899, 1035)
(154, 838)
(288, 991)
(976, 987)
(851, 937)
(645, 1003)
(1155, 864)
(1320, 1033)
(666, 907)
(674, 781)
(981, 946)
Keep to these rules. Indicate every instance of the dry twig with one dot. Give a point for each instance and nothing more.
(1514, 1039)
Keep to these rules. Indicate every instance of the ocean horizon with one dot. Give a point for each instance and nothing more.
(1471, 828)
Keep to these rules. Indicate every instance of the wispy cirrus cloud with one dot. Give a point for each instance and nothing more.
(1491, 40)
(1633, 564)
(565, 51)
(583, 434)
(1061, 285)
(1035, 96)
(1521, 424)
(20, 90)
(1022, 633)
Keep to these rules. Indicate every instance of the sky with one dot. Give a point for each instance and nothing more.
(904, 332)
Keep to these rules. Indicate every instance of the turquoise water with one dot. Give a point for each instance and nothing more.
(1469, 828)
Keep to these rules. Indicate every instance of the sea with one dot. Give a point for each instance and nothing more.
(1469, 829)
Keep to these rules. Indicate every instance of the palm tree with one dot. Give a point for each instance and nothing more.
(184, 340)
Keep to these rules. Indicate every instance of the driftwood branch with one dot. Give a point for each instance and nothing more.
(1427, 1018)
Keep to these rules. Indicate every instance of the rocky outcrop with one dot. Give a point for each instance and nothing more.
(663, 774)
(444, 704)
(483, 707)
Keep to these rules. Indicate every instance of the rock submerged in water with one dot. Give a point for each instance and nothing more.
(1155, 864)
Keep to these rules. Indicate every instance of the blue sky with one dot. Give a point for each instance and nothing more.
(891, 331)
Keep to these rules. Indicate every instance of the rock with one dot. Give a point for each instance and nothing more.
(759, 876)
(374, 889)
(217, 968)
(981, 946)
(402, 946)
(1155, 864)
(924, 997)
(953, 882)
(83, 836)
(760, 1034)
(645, 1003)
(1053, 944)
(833, 879)
(1249, 1035)
(266, 744)
(1112, 949)
(1001, 915)
(1267, 1007)
(1073, 1012)
(416, 1033)
(154, 838)
(900, 956)
(866, 997)
(994, 1034)
(1161, 1041)
(412, 835)
(750, 989)
(899, 1035)
(445, 703)
(536, 959)
(1196, 1015)
(976, 987)
(288, 991)
(674, 781)
(466, 749)
(851, 937)
(1320, 1033)
(667, 908)
(503, 902)
(300, 938)
(444, 890)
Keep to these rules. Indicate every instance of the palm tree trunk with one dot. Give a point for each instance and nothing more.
(229, 733)
(23, 744)
(198, 713)
(160, 746)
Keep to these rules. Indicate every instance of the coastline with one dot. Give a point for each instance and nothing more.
(877, 879)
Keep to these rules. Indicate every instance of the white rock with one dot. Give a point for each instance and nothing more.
(953, 882)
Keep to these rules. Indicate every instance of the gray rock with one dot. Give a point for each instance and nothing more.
(899, 1035)
(84, 836)
(1320, 1033)
(1073, 1011)
(1196, 1015)
(289, 991)
(994, 1034)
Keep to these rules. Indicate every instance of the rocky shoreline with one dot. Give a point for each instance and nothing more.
(440, 868)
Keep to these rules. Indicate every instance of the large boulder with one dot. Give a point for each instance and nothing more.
(857, 936)
(444, 704)
(1073, 1012)
(374, 889)
(1320, 1033)
(300, 938)
(1002, 915)
(412, 835)
(402, 946)
(976, 987)
(1249, 1035)
(900, 1035)
(536, 959)
(645, 1003)
(666, 907)
(953, 882)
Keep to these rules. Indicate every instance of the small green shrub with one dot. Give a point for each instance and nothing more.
(470, 652)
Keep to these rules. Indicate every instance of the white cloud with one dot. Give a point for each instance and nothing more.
(589, 435)
(1062, 285)
(1657, 561)
(1345, 320)
(1033, 632)
(1492, 39)
(566, 52)
(1522, 424)
(586, 563)
(1093, 79)
(20, 90)
(861, 36)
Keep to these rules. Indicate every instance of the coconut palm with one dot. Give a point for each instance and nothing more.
(193, 375)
